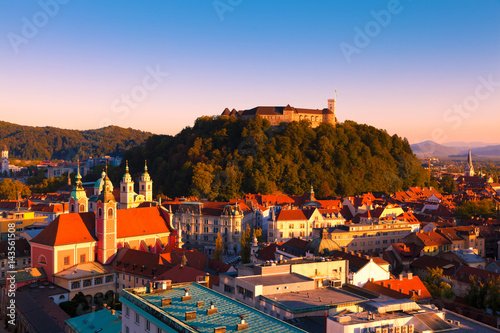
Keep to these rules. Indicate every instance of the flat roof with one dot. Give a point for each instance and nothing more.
(311, 299)
(83, 270)
(228, 310)
(275, 279)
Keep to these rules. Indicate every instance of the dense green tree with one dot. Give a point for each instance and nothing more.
(246, 238)
(436, 285)
(448, 184)
(10, 190)
(223, 158)
(484, 208)
(218, 248)
(48, 143)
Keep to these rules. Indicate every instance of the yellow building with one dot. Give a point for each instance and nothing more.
(15, 222)
(368, 237)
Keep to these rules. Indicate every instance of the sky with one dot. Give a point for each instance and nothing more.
(421, 69)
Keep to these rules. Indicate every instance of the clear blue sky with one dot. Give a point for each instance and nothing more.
(421, 70)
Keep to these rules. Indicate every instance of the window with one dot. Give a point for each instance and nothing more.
(109, 278)
(110, 213)
(82, 258)
(99, 212)
(75, 285)
(159, 330)
(148, 325)
(98, 280)
(290, 226)
(66, 260)
(87, 283)
(137, 319)
(127, 330)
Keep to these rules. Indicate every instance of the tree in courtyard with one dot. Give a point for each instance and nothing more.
(245, 245)
(436, 285)
(218, 248)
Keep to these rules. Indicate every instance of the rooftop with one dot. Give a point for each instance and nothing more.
(103, 321)
(313, 300)
(228, 310)
(84, 270)
(275, 279)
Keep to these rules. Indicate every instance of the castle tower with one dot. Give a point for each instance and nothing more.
(126, 190)
(146, 185)
(331, 117)
(105, 224)
(78, 201)
(5, 160)
(469, 169)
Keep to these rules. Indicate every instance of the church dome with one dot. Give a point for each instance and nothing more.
(322, 246)
(102, 181)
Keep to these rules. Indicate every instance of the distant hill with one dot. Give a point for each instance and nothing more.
(47, 143)
(463, 145)
(433, 149)
(222, 158)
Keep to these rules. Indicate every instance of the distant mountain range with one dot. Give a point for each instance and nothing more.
(455, 149)
(48, 143)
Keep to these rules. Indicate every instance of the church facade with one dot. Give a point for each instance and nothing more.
(95, 235)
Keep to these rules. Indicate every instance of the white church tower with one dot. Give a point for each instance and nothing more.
(127, 194)
(5, 160)
(146, 185)
(469, 169)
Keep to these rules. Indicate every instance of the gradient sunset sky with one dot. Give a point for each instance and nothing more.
(420, 69)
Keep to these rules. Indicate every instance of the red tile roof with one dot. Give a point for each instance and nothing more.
(405, 286)
(68, 229)
(80, 227)
(291, 214)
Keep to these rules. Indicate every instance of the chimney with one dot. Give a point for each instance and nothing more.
(113, 312)
(359, 255)
(389, 285)
(382, 283)
(410, 276)
(400, 277)
(186, 296)
(242, 320)
(419, 292)
(212, 309)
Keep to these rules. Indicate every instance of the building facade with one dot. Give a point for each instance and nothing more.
(286, 114)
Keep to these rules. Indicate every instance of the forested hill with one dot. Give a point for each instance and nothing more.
(46, 143)
(221, 158)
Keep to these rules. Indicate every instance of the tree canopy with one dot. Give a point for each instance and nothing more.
(47, 143)
(221, 158)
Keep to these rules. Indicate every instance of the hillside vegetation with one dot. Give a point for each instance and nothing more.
(46, 143)
(222, 158)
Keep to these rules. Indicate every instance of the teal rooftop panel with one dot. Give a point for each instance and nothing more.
(228, 310)
(100, 321)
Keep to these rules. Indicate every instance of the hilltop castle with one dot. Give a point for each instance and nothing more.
(280, 114)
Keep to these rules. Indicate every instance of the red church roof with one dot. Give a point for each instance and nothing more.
(80, 227)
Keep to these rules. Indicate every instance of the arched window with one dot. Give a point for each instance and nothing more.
(75, 285)
(99, 212)
(110, 213)
(82, 208)
(62, 297)
(72, 208)
(42, 260)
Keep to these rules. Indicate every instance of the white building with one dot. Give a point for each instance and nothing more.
(5, 160)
